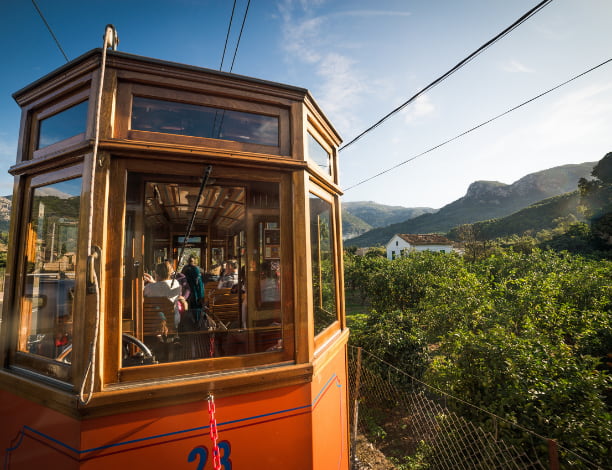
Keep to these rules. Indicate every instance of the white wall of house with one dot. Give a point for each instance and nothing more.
(397, 245)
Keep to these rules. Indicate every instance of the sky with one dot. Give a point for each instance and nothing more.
(360, 59)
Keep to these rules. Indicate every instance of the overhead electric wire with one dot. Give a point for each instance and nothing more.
(480, 125)
(444, 76)
(50, 30)
(229, 27)
(240, 35)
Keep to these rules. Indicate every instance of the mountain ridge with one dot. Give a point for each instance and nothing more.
(485, 200)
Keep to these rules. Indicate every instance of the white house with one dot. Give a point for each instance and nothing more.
(403, 243)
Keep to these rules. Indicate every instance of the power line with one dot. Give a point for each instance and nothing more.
(50, 30)
(480, 125)
(240, 35)
(443, 77)
(227, 35)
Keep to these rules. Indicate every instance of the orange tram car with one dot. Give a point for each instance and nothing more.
(134, 172)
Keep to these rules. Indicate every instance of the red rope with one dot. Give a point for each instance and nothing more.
(214, 435)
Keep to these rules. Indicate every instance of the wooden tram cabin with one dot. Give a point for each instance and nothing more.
(95, 374)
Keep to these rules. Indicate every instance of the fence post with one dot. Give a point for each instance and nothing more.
(553, 454)
(356, 407)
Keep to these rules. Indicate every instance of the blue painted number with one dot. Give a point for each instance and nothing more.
(226, 463)
(200, 452)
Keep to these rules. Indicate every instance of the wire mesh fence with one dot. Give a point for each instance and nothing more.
(415, 428)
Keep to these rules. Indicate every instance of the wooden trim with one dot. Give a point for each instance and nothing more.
(340, 264)
(205, 81)
(60, 158)
(194, 388)
(331, 330)
(13, 303)
(170, 171)
(175, 139)
(303, 270)
(159, 150)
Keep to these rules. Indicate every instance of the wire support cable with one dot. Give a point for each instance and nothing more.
(110, 40)
(459, 65)
(493, 415)
(229, 28)
(431, 149)
(50, 30)
(246, 12)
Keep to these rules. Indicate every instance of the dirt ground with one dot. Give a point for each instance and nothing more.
(369, 458)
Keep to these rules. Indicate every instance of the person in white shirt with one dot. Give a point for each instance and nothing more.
(164, 286)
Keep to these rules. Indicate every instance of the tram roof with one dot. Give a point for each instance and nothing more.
(299, 91)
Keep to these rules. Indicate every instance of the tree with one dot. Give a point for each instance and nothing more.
(596, 199)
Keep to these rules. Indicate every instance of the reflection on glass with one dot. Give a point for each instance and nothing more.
(60, 126)
(203, 121)
(324, 293)
(318, 154)
(51, 257)
(222, 298)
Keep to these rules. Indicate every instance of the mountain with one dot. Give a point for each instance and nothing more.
(543, 215)
(359, 217)
(485, 200)
(5, 213)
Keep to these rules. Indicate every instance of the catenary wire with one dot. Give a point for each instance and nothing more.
(229, 27)
(480, 125)
(50, 30)
(447, 74)
(240, 35)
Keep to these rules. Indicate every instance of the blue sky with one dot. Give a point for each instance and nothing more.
(361, 59)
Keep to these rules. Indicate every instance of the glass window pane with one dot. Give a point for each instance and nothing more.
(318, 154)
(51, 254)
(324, 291)
(63, 125)
(203, 121)
(218, 294)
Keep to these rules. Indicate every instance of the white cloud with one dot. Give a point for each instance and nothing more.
(573, 128)
(306, 40)
(419, 108)
(372, 13)
(514, 66)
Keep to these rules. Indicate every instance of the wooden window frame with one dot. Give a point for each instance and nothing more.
(127, 90)
(20, 359)
(332, 330)
(117, 376)
(50, 110)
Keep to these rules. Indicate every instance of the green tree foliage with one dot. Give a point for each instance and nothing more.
(596, 199)
(520, 333)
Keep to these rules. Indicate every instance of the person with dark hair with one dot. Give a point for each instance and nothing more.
(163, 285)
(230, 277)
(193, 275)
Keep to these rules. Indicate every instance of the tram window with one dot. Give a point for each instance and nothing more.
(324, 290)
(51, 254)
(203, 121)
(233, 254)
(318, 154)
(60, 126)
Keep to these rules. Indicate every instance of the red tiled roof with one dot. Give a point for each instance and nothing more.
(424, 239)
